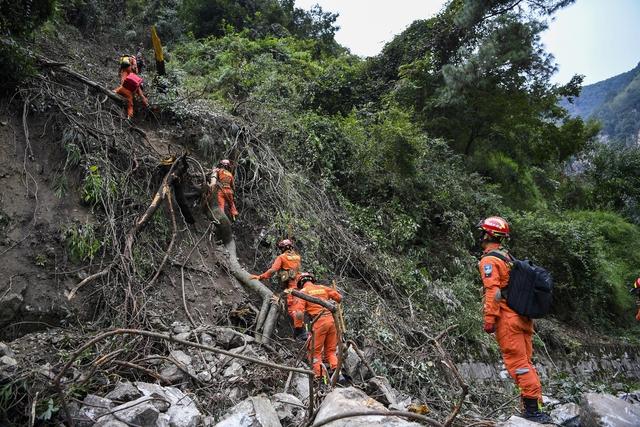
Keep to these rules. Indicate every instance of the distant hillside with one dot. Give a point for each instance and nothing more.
(615, 102)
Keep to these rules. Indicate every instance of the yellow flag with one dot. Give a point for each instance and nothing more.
(157, 46)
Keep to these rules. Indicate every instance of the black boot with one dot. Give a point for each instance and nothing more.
(531, 411)
(300, 334)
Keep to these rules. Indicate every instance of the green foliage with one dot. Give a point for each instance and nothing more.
(261, 17)
(82, 242)
(610, 180)
(593, 257)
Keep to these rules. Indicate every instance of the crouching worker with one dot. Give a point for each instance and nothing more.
(325, 336)
(513, 332)
(129, 87)
(287, 265)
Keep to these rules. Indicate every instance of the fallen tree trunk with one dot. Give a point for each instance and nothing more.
(77, 76)
(268, 314)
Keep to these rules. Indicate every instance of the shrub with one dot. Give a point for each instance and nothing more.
(591, 255)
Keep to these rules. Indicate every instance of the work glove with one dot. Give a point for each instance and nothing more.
(489, 327)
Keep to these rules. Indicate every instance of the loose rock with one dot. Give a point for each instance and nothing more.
(289, 408)
(253, 412)
(93, 408)
(351, 399)
(141, 411)
(124, 392)
(516, 421)
(567, 415)
(380, 389)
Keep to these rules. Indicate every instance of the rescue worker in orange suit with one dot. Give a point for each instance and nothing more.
(225, 186)
(636, 290)
(129, 87)
(287, 265)
(128, 65)
(513, 332)
(325, 336)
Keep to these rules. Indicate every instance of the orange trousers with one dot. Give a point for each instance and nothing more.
(225, 195)
(291, 305)
(638, 315)
(513, 333)
(325, 340)
(129, 96)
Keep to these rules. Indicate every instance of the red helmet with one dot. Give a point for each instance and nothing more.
(285, 244)
(495, 226)
(225, 163)
(304, 278)
(636, 285)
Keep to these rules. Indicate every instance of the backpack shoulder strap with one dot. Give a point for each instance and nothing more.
(508, 259)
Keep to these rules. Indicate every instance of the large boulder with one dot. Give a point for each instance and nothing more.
(254, 411)
(605, 410)
(350, 399)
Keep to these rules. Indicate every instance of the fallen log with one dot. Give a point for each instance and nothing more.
(79, 77)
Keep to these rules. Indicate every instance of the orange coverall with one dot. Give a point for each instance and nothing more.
(513, 332)
(225, 191)
(128, 94)
(325, 336)
(289, 261)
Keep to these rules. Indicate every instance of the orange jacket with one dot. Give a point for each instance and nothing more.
(288, 260)
(225, 178)
(317, 291)
(495, 276)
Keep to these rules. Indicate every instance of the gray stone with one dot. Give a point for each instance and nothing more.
(380, 389)
(351, 399)
(182, 412)
(183, 336)
(204, 376)
(234, 370)
(515, 421)
(301, 386)
(229, 338)
(5, 350)
(124, 392)
(93, 408)
(567, 415)
(8, 361)
(173, 374)
(605, 410)
(141, 411)
(206, 339)
(110, 421)
(208, 421)
(289, 408)
(180, 328)
(164, 420)
(181, 357)
(255, 411)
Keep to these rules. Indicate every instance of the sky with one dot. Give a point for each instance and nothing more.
(596, 38)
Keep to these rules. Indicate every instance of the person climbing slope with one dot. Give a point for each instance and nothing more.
(513, 332)
(224, 186)
(130, 87)
(325, 335)
(287, 264)
(636, 290)
(128, 65)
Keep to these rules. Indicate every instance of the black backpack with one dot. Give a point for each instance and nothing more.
(530, 288)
